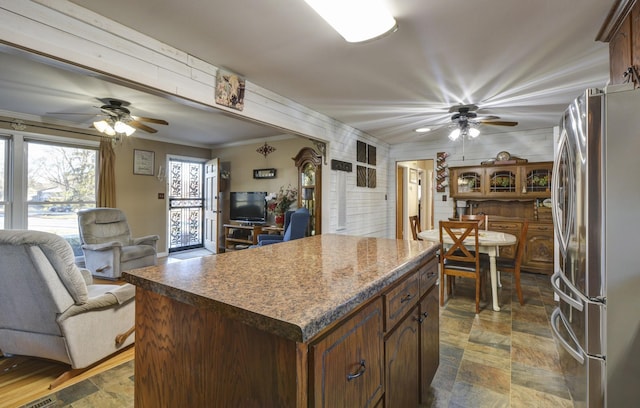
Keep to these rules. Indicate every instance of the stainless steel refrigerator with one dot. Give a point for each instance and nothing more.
(596, 210)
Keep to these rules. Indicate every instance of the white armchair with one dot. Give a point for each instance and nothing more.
(108, 246)
(49, 308)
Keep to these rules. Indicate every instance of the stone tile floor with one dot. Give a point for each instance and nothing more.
(499, 359)
(493, 359)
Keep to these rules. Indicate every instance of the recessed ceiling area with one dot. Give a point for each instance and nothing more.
(34, 88)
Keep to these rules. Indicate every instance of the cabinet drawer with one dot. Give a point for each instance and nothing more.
(428, 275)
(399, 300)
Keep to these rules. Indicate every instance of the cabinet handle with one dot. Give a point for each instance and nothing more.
(361, 371)
(407, 298)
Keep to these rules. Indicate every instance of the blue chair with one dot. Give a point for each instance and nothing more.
(295, 226)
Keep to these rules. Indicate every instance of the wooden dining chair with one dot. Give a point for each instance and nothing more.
(512, 265)
(414, 222)
(481, 219)
(457, 259)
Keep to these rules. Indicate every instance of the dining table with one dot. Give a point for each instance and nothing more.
(489, 243)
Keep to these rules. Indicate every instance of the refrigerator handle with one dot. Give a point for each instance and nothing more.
(556, 316)
(568, 299)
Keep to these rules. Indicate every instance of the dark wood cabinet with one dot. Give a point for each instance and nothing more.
(309, 164)
(538, 254)
(402, 364)
(621, 29)
(347, 365)
(509, 194)
(429, 340)
(522, 181)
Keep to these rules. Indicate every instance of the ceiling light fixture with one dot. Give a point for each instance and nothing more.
(423, 130)
(356, 20)
(465, 130)
(113, 127)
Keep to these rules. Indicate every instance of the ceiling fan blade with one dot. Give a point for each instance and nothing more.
(141, 126)
(151, 120)
(498, 122)
(71, 113)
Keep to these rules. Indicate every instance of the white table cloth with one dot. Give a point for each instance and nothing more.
(488, 242)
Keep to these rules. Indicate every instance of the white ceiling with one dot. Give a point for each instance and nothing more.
(521, 60)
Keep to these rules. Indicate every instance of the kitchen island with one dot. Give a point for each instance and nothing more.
(329, 320)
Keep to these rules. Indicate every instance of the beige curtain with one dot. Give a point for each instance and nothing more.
(107, 179)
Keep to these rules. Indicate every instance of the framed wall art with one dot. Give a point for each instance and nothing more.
(143, 162)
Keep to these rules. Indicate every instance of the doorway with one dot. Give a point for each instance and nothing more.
(185, 190)
(414, 195)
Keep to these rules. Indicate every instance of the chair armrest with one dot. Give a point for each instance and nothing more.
(146, 240)
(119, 295)
(269, 237)
(269, 242)
(102, 247)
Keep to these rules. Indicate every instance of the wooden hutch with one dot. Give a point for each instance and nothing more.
(510, 191)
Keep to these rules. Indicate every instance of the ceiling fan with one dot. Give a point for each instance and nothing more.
(465, 121)
(120, 120)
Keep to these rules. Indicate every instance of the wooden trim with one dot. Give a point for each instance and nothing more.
(618, 13)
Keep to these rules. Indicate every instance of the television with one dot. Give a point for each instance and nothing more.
(248, 206)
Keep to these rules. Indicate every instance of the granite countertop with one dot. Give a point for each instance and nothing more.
(292, 289)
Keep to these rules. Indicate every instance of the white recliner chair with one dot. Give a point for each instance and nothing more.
(108, 246)
(49, 308)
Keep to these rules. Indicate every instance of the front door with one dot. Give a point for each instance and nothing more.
(186, 203)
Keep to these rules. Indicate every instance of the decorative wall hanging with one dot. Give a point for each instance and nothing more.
(143, 162)
(230, 90)
(441, 172)
(266, 149)
(264, 173)
(361, 176)
(361, 153)
(341, 165)
(365, 176)
(371, 155)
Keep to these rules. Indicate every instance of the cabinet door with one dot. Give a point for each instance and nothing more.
(401, 358)
(510, 227)
(503, 181)
(346, 366)
(466, 182)
(537, 180)
(538, 255)
(429, 341)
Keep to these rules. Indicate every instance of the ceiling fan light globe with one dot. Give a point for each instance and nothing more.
(473, 132)
(121, 127)
(454, 135)
(104, 127)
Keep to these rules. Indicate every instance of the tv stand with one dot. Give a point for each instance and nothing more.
(242, 235)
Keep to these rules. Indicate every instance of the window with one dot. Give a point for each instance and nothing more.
(59, 179)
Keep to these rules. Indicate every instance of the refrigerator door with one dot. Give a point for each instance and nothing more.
(585, 375)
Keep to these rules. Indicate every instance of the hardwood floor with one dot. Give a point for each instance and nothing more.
(25, 379)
